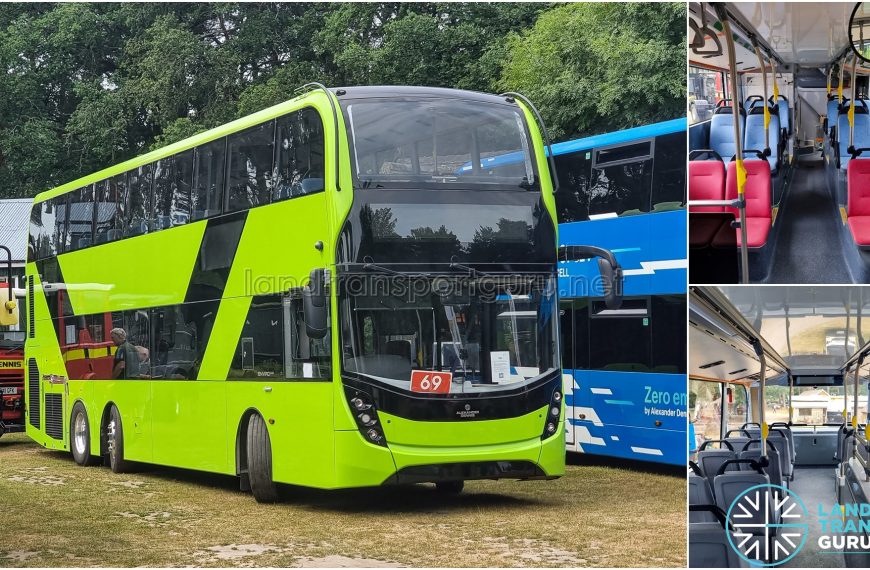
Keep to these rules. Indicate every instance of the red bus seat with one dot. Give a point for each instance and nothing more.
(757, 196)
(858, 200)
(706, 182)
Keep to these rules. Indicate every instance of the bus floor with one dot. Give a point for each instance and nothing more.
(815, 486)
(808, 249)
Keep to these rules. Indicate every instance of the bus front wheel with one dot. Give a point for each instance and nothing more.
(80, 435)
(115, 443)
(259, 454)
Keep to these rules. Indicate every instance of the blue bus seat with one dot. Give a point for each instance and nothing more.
(722, 131)
(754, 136)
(861, 137)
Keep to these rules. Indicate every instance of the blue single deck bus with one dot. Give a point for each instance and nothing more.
(625, 369)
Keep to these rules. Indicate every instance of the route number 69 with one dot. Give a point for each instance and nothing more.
(430, 382)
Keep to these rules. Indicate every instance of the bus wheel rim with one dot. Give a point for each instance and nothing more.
(80, 433)
(111, 438)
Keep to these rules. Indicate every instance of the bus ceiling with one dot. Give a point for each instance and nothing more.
(815, 335)
(811, 35)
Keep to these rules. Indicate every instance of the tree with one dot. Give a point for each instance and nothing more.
(598, 67)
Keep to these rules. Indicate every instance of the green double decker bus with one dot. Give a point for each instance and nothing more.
(346, 289)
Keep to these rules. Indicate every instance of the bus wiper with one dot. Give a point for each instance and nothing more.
(456, 265)
(369, 265)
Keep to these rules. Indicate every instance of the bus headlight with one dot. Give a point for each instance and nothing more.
(366, 415)
(554, 415)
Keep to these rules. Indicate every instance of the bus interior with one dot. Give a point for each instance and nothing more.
(784, 370)
(789, 67)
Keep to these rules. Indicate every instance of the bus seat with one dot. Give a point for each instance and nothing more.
(758, 217)
(706, 182)
(722, 131)
(833, 113)
(844, 437)
(709, 547)
(700, 493)
(861, 139)
(709, 460)
(774, 469)
(754, 135)
(784, 114)
(858, 200)
(778, 438)
(729, 484)
(784, 427)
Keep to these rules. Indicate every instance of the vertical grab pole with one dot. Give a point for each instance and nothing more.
(790, 396)
(756, 344)
(763, 69)
(852, 107)
(722, 14)
(840, 66)
(855, 405)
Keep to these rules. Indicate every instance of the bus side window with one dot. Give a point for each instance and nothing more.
(107, 208)
(250, 169)
(621, 180)
(300, 155)
(572, 199)
(81, 218)
(305, 357)
(138, 201)
(179, 336)
(669, 172)
(208, 190)
(43, 229)
(173, 178)
(115, 197)
(259, 352)
(61, 236)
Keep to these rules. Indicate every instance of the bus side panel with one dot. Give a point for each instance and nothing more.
(133, 400)
(651, 249)
(189, 425)
(299, 419)
(638, 416)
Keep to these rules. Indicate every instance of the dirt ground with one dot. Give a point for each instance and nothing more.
(56, 513)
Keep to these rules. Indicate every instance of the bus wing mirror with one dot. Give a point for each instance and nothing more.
(315, 305)
(608, 268)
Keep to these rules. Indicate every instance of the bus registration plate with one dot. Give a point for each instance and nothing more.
(430, 382)
(9, 390)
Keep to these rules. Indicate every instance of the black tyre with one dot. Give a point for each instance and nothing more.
(115, 443)
(450, 487)
(80, 435)
(259, 450)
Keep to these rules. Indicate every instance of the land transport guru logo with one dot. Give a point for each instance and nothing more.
(770, 525)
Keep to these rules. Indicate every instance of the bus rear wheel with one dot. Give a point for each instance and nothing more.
(259, 454)
(115, 443)
(450, 487)
(80, 435)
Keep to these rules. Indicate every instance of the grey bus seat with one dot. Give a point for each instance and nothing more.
(700, 493)
(779, 438)
(709, 460)
(774, 468)
(728, 485)
(787, 429)
(708, 541)
(844, 436)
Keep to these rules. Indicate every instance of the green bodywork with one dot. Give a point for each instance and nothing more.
(196, 424)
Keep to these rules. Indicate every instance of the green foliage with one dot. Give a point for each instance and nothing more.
(88, 85)
(593, 68)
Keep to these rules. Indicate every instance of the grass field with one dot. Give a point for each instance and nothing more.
(56, 513)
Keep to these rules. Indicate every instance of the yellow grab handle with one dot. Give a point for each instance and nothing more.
(765, 429)
(741, 178)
